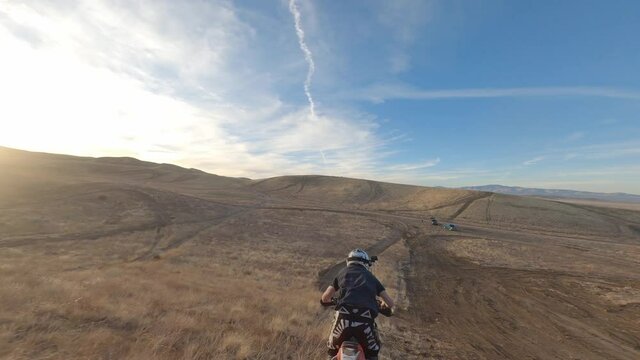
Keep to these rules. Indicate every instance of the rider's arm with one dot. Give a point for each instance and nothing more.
(387, 299)
(328, 294)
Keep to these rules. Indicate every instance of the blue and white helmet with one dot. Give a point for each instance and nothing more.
(359, 256)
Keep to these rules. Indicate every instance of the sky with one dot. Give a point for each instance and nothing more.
(434, 92)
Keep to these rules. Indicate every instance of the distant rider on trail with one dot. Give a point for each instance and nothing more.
(357, 307)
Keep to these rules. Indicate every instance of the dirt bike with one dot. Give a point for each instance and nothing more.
(351, 349)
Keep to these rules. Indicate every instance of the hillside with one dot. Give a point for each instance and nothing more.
(118, 258)
(473, 207)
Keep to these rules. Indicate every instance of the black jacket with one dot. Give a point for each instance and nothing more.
(358, 287)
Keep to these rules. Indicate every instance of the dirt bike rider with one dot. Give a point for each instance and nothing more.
(357, 305)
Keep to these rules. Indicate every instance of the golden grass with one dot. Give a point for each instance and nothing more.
(119, 259)
(156, 310)
(224, 294)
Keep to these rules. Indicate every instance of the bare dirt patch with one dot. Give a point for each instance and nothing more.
(504, 312)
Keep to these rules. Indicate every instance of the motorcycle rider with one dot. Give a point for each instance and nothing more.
(357, 306)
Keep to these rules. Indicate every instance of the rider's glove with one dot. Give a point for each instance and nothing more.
(386, 311)
(330, 303)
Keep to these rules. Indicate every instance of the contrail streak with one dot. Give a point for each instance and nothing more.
(293, 8)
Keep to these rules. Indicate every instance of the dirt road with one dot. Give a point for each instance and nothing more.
(464, 310)
(398, 232)
(504, 313)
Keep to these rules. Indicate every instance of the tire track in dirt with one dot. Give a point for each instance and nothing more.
(303, 183)
(163, 219)
(482, 312)
(468, 203)
(160, 220)
(398, 232)
(91, 235)
(600, 212)
(162, 223)
(165, 233)
(160, 234)
(282, 188)
(329, 210)
(487, 212)
(375, 191)
(625, 226)
(464, 200)
(210, 224)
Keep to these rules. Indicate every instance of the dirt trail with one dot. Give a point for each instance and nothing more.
(502, 313)
(487, 212)
(375, 191)
(399, 230)
(468, 203)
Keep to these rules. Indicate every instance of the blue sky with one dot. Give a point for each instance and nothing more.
(447, 93)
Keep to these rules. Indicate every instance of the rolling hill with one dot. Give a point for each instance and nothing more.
(120, 258)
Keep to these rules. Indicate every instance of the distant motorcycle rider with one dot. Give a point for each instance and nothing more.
(357, 307)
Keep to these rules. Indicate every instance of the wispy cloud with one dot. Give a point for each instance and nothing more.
(293, 8)
(415, 166)
(165, 81)
(440, 177)
(601, 179)
(596, 152)
(533, 161)
(602, 172)
(205, 84)
(404, 20)
(383, 92)
(610, 151)
(609, 121)
(574, 136)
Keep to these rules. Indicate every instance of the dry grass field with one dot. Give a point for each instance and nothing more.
(600, 203)
(115, 258)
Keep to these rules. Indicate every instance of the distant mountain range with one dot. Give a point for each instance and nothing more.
(557, 193)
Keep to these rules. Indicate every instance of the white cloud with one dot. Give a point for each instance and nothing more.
(596, 152)
(610, 151)
(181, 82)
(382, 92)
(533, 161)
(399, 62)
(415, 166)
(163, 81)
(404, 20)
(162, 43)
(445, 177)
(606, 171)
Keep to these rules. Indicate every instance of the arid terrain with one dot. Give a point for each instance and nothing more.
(115, 258)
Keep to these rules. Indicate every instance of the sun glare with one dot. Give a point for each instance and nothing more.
(53, 101)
